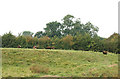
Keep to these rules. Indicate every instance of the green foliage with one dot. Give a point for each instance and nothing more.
(81, 42)
(38, 34)
(27, 33)
(71, 33)
(112, 43)
(77, 42)
(30, 41)
(8, 40)
(69, 26)
(78, 28)
(90, 29)
(72, 26)
(96, 44)
(35, 41)
(53, 29)
(44, 42)
(67, 42)
(56, 42)
(21, 40)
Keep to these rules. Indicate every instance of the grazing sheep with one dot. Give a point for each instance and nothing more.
(105, 52)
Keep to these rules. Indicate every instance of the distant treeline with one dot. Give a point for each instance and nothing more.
(69, 34)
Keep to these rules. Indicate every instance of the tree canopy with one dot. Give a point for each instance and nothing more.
(27, 33)
(69, 26)
(70, 33)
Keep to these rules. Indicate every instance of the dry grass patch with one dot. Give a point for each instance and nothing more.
(39, 69)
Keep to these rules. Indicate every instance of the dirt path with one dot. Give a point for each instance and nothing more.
(112, 65)
(50, 76)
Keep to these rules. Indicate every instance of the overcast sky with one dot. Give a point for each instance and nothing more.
(32, 15)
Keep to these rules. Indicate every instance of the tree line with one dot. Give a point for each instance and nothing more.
(70, 33)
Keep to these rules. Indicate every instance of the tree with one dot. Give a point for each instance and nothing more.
(38, 34)
(27, 33)
(21, 40)
(78, 28)
(8, 40)
(72, 25)
(35, 41)
(44, 42)
(81, 42)
(111, 43)
(56, 42)
(67, 42)
(90, 28)
(96, 44)
(30, 42)
(67, 24)
(52, 29)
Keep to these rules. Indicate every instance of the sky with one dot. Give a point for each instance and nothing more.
(32, 15)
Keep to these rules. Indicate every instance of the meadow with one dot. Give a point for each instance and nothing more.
(19, 62)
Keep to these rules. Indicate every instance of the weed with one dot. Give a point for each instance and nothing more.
(39, 69)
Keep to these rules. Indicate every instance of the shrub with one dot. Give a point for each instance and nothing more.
(9, 40)
(39, 69)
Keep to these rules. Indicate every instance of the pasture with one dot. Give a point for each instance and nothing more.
(19, 62)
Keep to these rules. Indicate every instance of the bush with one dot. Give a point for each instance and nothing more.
(39, 69)
(21, 40)
(9, 40)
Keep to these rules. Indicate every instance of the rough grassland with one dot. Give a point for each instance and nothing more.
(18, 62)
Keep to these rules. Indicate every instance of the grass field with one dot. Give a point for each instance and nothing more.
(18, 62)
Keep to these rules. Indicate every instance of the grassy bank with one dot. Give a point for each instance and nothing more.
(41, 62)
